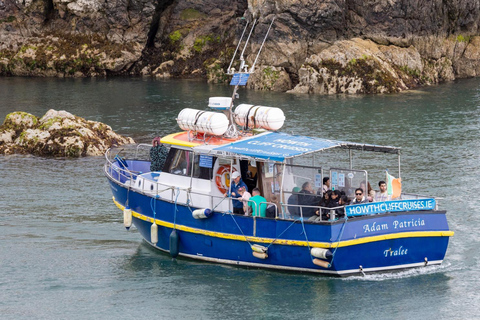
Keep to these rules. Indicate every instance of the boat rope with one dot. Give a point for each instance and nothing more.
(339, 238)
(291, 224)
(175, 210)
(189, 199)
(219, 203)
(246, 239)
(306, 238)
(122, 162)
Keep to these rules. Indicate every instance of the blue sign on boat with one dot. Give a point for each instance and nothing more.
(239, 79)
(390, 206)
(206, 161)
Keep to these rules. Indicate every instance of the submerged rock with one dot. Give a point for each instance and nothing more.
(57, 134)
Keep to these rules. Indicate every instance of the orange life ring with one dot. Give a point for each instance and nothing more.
(222, 178)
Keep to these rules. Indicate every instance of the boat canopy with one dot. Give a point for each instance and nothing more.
(278, 146)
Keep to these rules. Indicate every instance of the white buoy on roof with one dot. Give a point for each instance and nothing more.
(127, 217)
(256, 117)
(203, 121)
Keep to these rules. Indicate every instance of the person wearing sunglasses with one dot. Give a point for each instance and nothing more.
(359, 197)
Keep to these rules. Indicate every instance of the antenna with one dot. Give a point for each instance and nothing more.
(252, 69)
(242, 60)
(229, 71)
(240, 78)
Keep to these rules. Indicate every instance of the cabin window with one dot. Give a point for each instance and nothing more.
(181, 162)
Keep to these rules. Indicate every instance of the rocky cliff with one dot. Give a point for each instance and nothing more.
(329, 46)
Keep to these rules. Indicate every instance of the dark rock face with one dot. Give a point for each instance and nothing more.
(409, 43)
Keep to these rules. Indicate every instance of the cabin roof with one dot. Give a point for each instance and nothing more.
(277, 146)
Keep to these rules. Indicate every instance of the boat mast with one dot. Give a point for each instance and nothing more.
(240, 78)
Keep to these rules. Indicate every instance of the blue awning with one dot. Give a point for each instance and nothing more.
(277, 146)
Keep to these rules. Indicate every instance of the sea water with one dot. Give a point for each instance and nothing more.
(64, 253)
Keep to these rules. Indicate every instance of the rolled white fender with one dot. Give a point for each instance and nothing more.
(127, 217)
(321, 263)
(154, 233)
(320, 253)
(202, 213)
(259, 255)
(258, 248)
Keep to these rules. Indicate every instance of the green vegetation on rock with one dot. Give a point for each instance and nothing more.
(192, 14)
(201, 42)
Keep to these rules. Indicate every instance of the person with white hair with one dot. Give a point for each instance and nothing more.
(236, 183)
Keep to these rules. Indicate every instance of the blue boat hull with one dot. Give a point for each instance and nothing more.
(361, 244)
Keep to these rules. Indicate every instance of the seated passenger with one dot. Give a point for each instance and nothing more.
(383, 194)
(370, 195)
(343, 201)
(324, 202)
(359, 197)
(273, 207)
(326, 184)
(258, 204)
(293, 200)
(332, 203)
(306, 197)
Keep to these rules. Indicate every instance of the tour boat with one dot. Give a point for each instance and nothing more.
(183, 210)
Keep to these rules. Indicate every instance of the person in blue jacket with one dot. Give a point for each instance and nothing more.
(235, 185)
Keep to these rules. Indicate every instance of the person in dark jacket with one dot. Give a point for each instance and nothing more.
(236, 184)
(158, 155)
(293, 209)
(306, 197)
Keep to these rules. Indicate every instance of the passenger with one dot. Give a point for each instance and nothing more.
(332, 203)
(245, 196)
(293, 209)
(334, 198)
(324, 202)
(235, 185)
(273, 207)
(250, 181)
(257, 204)
(383, 194)
(158, 155)
(326, 184)
(307, 198)
(342, 201)
(370, 192)
(359, 197)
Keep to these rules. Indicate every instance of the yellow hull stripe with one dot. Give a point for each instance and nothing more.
(313, 244)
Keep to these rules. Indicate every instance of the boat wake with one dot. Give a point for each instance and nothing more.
(445, 267)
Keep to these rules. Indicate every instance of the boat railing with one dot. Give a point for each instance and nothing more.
(414, 196)
(296, 211)
(115, 169)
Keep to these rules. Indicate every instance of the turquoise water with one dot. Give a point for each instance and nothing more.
(66, 255)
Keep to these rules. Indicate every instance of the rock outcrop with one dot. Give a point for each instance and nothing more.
(327, 46)
(57, 134)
